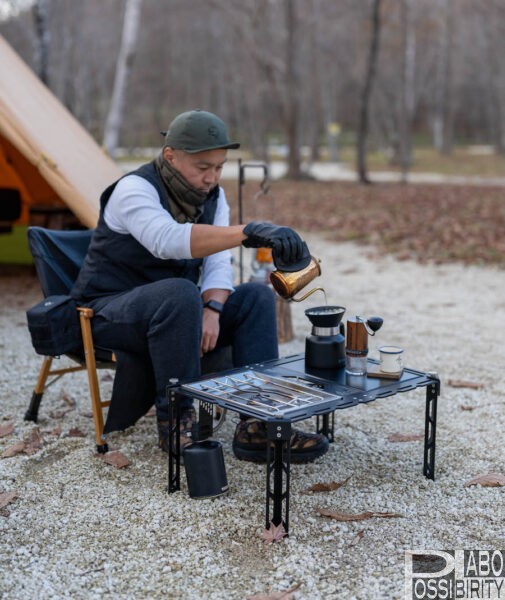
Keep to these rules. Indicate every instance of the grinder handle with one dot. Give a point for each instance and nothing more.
(374, 323)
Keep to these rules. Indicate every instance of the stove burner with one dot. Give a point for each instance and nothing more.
(268, 396)
(298, 379)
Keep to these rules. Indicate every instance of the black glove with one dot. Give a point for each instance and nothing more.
(289, 251)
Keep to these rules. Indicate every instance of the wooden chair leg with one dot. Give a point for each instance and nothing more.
(85, 315)
(32, 413)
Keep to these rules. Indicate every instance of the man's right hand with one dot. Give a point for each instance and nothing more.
(287, 246)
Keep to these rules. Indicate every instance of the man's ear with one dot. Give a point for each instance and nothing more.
(168, 154)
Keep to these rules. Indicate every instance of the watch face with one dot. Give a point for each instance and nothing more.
(214, 305)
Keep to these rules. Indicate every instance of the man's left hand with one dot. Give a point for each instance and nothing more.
(210, 330)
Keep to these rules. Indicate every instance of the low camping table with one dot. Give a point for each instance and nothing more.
(284, 391)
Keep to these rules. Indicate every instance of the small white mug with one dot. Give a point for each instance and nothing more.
(390, 359)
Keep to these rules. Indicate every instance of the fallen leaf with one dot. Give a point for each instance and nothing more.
(489, 480)
(7, 498)
(75, 432)
(405, 437)
(467, 407)
(461, 383)
(340, 516)
(34, 442)
(116, 459)
(16, 448)
(86, 413)
(286, 595)
(106, 377)
(328, 487)
(6, 429)
(67, 398)
(274, 533)
(358, 537)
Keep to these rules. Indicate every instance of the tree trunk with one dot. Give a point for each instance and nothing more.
(292, 94)
(367, 91)
(407, 90)
(123, 68)
(315, 110)
(41, 20)
(494, 84)
(443, 135)
(284, 320)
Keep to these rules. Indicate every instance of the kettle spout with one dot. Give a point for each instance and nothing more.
(307, 294)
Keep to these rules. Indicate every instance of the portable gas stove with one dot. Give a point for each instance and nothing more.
(284, 391)
(265, 395)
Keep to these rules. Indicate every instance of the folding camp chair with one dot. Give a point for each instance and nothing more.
(58, 257)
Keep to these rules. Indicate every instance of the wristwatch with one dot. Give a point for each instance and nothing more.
(214, 305)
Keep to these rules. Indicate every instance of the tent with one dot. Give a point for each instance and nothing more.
(47, 159)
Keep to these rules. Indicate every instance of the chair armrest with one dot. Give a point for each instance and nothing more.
(86, 312)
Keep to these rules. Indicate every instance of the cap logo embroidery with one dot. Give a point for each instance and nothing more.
(212, 131)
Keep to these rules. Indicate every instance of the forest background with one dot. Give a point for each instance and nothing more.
(397, 85)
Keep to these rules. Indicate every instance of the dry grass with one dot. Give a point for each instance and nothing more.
(464, 160)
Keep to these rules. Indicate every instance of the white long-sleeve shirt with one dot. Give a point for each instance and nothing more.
(134, 208)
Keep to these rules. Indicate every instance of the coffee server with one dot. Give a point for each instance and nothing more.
(325, 348)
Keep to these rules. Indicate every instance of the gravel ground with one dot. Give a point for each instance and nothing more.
(83, 529)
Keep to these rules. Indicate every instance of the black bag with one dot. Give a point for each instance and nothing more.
(54, 326)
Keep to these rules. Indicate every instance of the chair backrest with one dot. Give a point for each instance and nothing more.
(58, 257)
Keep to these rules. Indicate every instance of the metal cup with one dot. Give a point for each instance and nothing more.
(391, 359)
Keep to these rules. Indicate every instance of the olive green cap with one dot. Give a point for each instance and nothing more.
(197, 131)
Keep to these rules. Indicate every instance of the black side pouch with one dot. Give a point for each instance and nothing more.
(54, 326)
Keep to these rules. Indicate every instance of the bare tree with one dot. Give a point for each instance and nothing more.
(494, 76)
(123, 67)
(367, 90)
(443, 118)
(292, 93)
(407, 88)
(40, 11)
(279, 71)
(314, 104)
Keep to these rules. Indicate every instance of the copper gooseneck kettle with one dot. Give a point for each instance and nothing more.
(287, 280)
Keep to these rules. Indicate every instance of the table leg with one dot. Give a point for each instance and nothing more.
(174, 421)
(430, 427)
(205, 420)
(325, 424)
(278, 468)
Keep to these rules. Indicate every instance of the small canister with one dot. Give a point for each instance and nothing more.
(205, 469)
(287, 284)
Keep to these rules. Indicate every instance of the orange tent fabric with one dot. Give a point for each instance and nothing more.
(45, 152)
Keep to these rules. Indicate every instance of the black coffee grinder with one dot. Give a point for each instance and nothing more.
(325, 348)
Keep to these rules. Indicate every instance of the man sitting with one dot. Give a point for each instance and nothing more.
(158, 276)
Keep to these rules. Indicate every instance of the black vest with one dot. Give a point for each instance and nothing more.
(117, 263)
